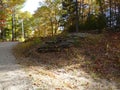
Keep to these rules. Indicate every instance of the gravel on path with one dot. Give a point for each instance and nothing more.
(12, 75)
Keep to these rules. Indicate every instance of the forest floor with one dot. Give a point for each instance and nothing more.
(12, 75)
(93, 63)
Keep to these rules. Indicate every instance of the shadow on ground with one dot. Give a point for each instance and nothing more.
(98, 59)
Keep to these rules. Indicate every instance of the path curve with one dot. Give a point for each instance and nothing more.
(12, 75)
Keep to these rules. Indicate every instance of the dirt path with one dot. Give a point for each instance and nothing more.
(12, 76)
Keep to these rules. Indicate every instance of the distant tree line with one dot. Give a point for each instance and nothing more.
(92, 14)
(11, 20)
(54, 16)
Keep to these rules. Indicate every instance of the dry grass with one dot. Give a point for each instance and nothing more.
(88, 60)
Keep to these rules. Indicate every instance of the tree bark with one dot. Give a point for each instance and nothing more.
(13, 24)
(77, 17)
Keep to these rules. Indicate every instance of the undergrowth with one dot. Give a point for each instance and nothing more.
(23, 49)
(91, 54)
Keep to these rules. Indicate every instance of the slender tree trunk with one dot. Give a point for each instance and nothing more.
(101, 7)
(81, 10)
(118, 12)
(56, 24)
(110, 6)
(1, 33)
(23, 32)
(12, 25)
(77, 17)
(52, 26)
(115, 15)
(15, 26)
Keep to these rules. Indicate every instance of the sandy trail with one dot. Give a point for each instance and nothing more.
(12, 75)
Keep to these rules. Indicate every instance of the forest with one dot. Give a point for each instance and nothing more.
(54, 16)
(64, 40)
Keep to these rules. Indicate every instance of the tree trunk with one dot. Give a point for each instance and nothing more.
(110, 6)
(52, 26)
(77, 17)
(12, 25)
